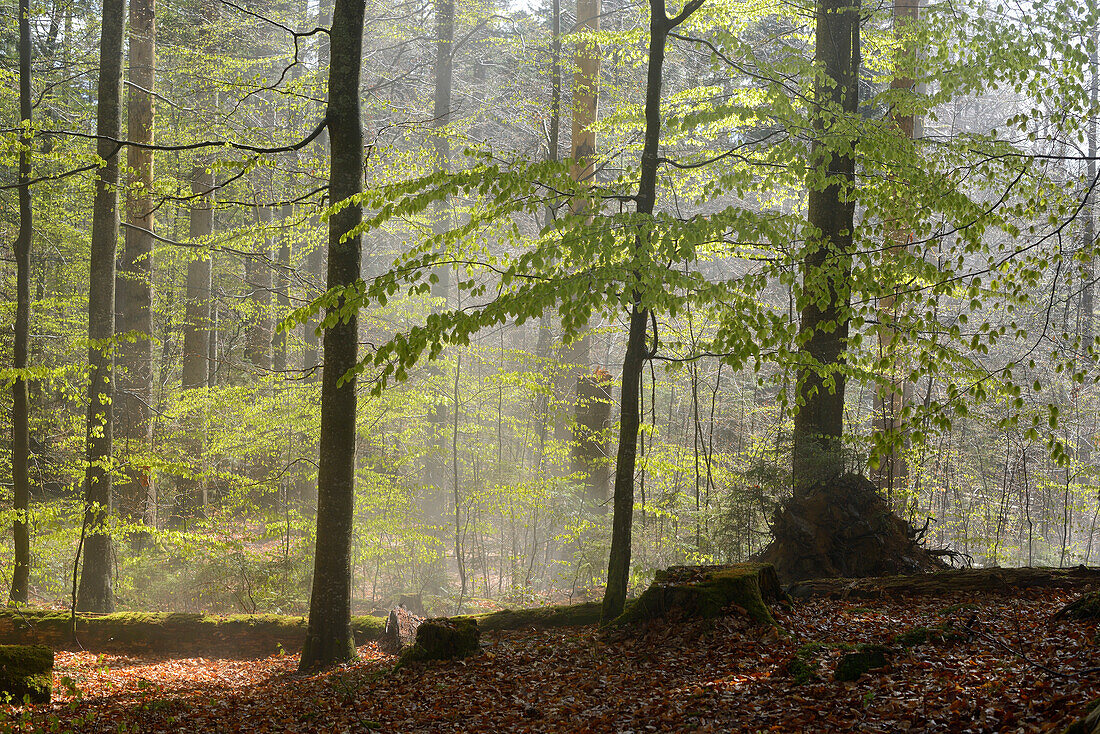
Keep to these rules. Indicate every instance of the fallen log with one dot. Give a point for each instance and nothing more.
(238, 636)
(944, 582)
(26, 672)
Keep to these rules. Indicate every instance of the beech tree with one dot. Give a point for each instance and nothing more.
(133, 309)
(20, 445)
(96, 593)
(329, 639)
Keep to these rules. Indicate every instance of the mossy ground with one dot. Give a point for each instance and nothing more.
(26, 671)
(708, 591)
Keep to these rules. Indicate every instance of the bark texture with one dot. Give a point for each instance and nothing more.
(96, 593)
(329, 640)
(827, 268)
(20, 414)
(134, 296)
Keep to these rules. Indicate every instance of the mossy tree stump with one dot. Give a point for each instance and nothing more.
(26, 671)
(443, 638)
(1084, 608)
(708, 591)
(1087, 724)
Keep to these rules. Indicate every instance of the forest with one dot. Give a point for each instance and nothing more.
(649, 344)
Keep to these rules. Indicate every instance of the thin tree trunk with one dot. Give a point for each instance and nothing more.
(20, 423)
(191, 498)
(257, 275)
(96, 593)
(618, 567)
(893, 471)
(435, 465)
(329, 640)
(133, 307)
(826, 271)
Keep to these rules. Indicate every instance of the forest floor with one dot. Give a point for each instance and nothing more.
(1005, 667)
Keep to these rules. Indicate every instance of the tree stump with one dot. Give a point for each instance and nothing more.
(400, 630)
(1084, 608)
(842, 527)
(708, 591)
(26, 670)
(1088, 724)
(443, 638)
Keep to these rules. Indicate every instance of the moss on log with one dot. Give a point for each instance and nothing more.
(708, 591)
(26, 672)
(236, 635)
(943, 582)
(1084, 608)
(571, 615)
(443, 638)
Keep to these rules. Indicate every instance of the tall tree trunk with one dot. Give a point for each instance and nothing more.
(618, 566)
(191, 496)
(1088, 231)
(133, 306)
(20, 423)
(435, 473)
(892, 471)
(329, 639)
(96, 593)
(315, 260)
(827, 268)
(582, 168)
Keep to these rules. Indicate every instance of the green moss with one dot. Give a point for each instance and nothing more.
(571, 615)
(865, 658)
(706, 592)
(26, 671)
(367, 628)
(443, 639)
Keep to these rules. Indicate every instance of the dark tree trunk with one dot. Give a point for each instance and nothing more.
(96, 594)
(618, 567)
(817, 453)
(133, 306)
(20, 446)
(329, 639)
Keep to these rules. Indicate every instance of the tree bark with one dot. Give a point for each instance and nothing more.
(435, 473)
(96, 593)
(20, 423)
(257, 276)
(329, 639)
(893, 471)
(618, 566)
(133, 306)
(826, 270)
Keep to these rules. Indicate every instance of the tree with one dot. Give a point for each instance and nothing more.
(133, 309)
(827, 265)
(20, 424)
(96, 593)
(892, 470)
(618, 565)
(329, 639)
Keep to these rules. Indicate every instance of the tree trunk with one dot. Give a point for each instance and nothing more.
(826, 271)
(329, 640)
(96, 594)
(282, 291)
(133, 307)
(893, 471)
(311, 358)
(582, 168)
(191, 497)
(435, 473)
(257, 276)
(618, 567)
(1088, 233)
(20, 424)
